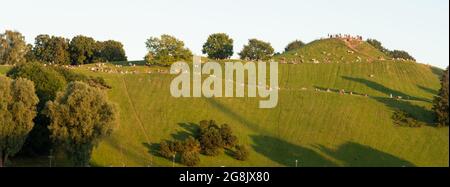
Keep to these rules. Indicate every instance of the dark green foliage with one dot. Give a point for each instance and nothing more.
(401, 55)
(166, 50)
(228, 139)
(82, 50)
(241, 153)
(166, 150)
(393, 54)
(190, 158)
(17, 109)
(256, 50)
(51, 49)
(218, 46)
(441, 105)
(79, 118)
(377, 44)
(297, 44)
(46, 80)
(404, 119)
(110, 51)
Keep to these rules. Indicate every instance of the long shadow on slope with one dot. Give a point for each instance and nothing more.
(286, 153)
(356, 155)
(437, 71)
(420, 113)
(383, 89)
(189, 129)
(236, 116)
(429, 90)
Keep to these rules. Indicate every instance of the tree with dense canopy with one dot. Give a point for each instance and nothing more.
(256, 50)
(51, 49)
(13, 48)
(441, 105)
(82, 50)
(294, 45)
(166, 50)
(17, 109)
(79, 118)
(218, 46)
(110, 51)
(48, 83)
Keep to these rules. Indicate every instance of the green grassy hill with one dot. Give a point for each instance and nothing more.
(316, 128)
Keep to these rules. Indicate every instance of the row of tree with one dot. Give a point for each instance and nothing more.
(393, 54)
(167, 49)
(58, 50)
(44, 108)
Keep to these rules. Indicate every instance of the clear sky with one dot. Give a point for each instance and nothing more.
(420, 27)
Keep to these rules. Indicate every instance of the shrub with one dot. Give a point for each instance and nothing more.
(229, 140)
(166, 150)
(241, 152)
(297, 44)
(190, 158)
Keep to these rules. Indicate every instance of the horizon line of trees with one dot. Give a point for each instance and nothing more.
(58, 50)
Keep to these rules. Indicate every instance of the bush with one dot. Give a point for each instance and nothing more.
(297, 44)
(211, 141)
(190, 158)
(218, 46)
(71, 76)
(166, 50)
(401, 54)
(166, 150)
(256, 50)
(228, 139)
(241, 153)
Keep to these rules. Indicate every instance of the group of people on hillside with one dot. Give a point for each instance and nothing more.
(347, 37)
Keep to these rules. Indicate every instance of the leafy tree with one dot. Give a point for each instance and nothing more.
(218, 46)
(17, 110)
(82, 50)
(401, 54)
(30, 57)
(13, 47)
(166, 150)
(229, 140)
(241, 152)
(256, 50)
(211, 141)
(47, 83)
(441, 105)
(294, 45)
(166, 50)
(51, 49)
(79, 118)
(377, 44)
(190, 158)
(110, 51)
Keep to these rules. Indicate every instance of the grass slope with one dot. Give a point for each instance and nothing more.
(316, 128)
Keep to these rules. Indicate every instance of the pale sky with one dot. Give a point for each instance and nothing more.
(420, 27)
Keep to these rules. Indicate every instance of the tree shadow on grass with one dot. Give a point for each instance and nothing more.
(420, 113)
(381, 88)
(286, 153)
(429, 90)
(236, 116)
(189, 129)
(437, 71)
(356, 155)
